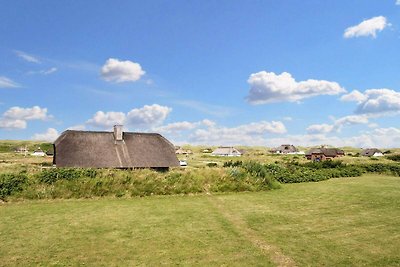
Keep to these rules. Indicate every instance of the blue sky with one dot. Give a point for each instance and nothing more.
(203, 72)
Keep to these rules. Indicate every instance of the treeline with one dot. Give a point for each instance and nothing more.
(235, 176)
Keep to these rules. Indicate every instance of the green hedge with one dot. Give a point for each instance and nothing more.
(11, 183)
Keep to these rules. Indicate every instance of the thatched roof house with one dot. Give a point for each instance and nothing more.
(226, 152)
(285, 149)
(371, 152)
(116, 149)
(319, 154)
(181, 151)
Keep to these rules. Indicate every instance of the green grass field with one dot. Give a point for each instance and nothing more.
(339, 222)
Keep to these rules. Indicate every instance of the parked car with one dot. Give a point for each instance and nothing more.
(183, 163)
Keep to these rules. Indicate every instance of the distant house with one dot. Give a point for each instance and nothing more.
(21, 150)
(38, 153)
(118, 149)
(181, 151)
(207, 150)
(371, 152)
(226, 152)
(320, 154)
(286, 149)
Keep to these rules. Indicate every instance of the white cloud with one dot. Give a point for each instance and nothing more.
(354, 96)
(27, 57)
(143, 118)
(367, 27)
(177, 127)
(107, 119)
(17, 117)
(147, 115)
(379, 101)
(268, 87)
(246, 134)
(118, 71)
(338, 124)
(34, 113)
(12, 124)
(7, 83)
(320, 128)
(398, 2)
(50, 135)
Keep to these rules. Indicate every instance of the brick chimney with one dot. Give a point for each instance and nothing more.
(118, 133)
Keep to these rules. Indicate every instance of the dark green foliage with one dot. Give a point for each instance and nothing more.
(50, 176)
(232, 163)
(212, 164)
(394, 157)
(393, 169)
(293, 172)
(10, 183)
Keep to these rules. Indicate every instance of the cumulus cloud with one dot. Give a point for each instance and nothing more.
(107, 119)
(27, 57)
(33, 113)
(338, 124)
(354, 96)
(367, 27)
(118, 71)
(50, 135)
(12, 124)
(7, 83)
(246, 134)
(146, 117)
(320, 128)
(17, 117)
(379, 101)
(268, 87)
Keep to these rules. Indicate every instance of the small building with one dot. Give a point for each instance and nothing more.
(320, 154)
(38, 153)
(181, 151)
(227, 151)
(21, 150)
(371, 152)
(118, 149)
(285, 149)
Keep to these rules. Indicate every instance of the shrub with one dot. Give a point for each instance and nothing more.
(49, 176)
(394, 157)
(11, 183)
(212, 164)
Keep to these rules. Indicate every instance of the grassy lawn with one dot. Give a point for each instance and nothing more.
(339, 222)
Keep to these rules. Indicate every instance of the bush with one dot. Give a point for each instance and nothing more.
(49, 176)
(212, 164)
(11, 183)
(394, 157)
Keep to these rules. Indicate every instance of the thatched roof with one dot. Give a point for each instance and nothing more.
(285, 149)
(102, 150)
(370, 152)
(226, 151)
(328, 152)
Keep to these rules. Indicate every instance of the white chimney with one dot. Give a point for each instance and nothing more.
(118, 133)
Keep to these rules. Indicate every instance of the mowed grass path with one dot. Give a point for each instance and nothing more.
(339, 222)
